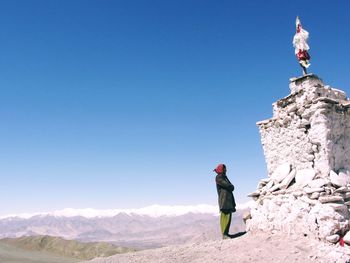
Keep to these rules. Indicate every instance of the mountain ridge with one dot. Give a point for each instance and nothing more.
(152, 211)
(137, 231)
(66, 248)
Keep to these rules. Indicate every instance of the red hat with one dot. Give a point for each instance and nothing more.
(220, 168)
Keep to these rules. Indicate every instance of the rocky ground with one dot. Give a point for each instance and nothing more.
(258, 247)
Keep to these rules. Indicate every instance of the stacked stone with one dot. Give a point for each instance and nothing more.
(297, 201)
(307, 150)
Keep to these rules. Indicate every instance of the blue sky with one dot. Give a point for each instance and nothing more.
(124, 104)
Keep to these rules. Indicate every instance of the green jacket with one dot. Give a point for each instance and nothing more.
(224, 188)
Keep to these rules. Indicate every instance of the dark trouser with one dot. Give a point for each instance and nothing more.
(225, 222)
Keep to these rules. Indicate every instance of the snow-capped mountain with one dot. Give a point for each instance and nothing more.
(152, 226)
(152, 211)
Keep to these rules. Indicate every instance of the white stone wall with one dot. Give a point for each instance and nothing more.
(290, 214)
(309, 128)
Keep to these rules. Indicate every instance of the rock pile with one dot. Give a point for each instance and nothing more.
(307, 150)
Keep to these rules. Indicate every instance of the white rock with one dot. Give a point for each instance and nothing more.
(304, 176)
(323, 212)
(308, 200)
(280, 192)
(346, 238)
(310, 157)
(304, 122)
(297, 193)
(269, 185)
(330, 199)
(312, 190)
(337, 180)
(329, 190)
(281, 172)
(333, 238)
(317, 183)
(315, 195)
(275, 187)
(338, 207)
(246, 216)
(254, 194)
(289, 178)
(342, 189)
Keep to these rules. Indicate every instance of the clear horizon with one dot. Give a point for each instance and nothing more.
(125, 104)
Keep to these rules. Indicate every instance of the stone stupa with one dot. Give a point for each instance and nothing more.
(307, 150)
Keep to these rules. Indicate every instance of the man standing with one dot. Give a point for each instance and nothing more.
(227, 203)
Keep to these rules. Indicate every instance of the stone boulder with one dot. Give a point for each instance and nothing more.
(339, 180)
(333, 238)
(288, 179)
(304, 176)
(316, 183)
(281, 172)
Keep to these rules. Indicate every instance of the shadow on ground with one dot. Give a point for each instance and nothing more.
(239, 234)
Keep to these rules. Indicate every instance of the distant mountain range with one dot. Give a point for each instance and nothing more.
(152, 211)
(149, 227)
